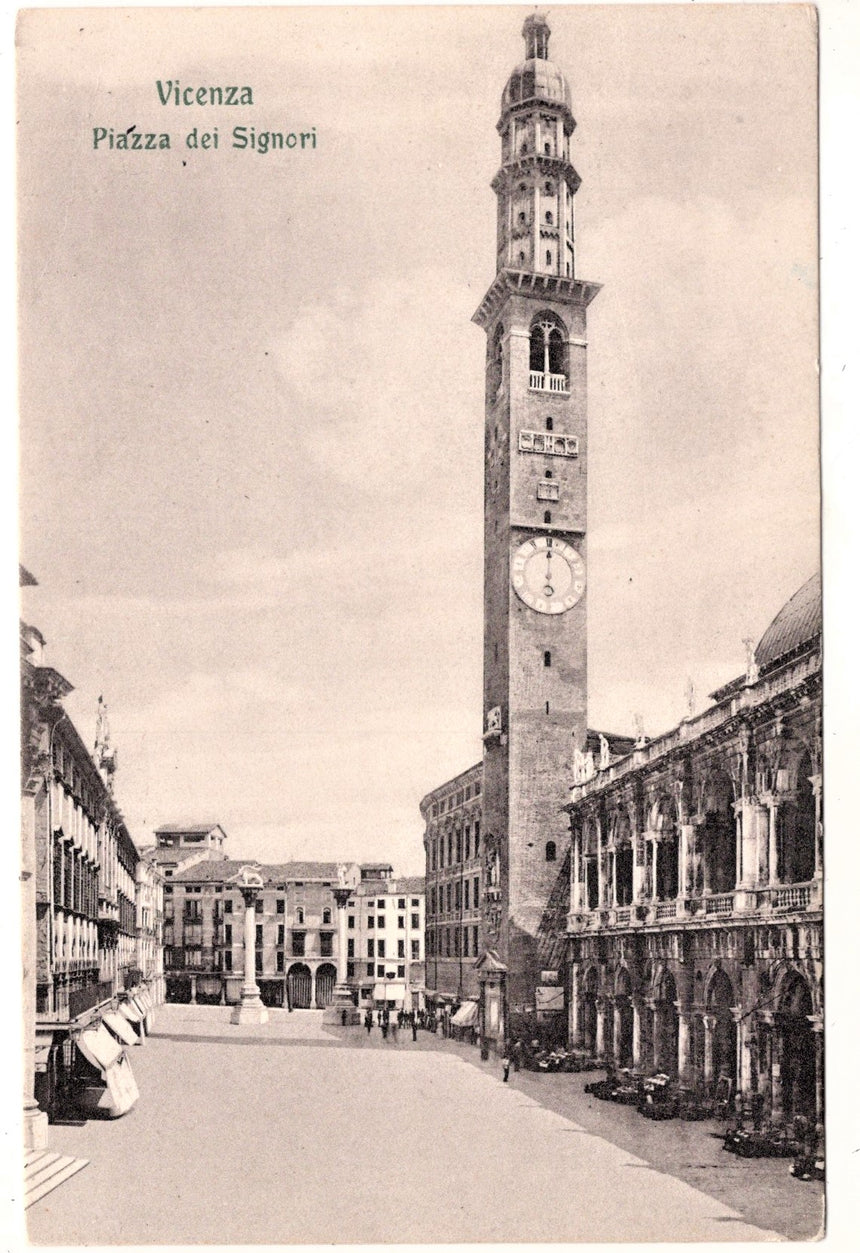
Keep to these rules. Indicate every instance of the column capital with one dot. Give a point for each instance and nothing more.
(341, 896)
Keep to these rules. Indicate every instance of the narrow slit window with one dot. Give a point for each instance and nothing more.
(547, 517)
(547, 658)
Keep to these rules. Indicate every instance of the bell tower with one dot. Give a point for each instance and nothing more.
(536, 459)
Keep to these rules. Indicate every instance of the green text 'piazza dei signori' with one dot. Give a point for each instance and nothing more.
(170, 91)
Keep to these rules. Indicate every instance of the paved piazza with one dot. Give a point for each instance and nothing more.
(293, 1132)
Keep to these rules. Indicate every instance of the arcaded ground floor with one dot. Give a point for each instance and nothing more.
(296, 1132)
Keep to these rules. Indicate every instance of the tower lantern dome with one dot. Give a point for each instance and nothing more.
(537, 78)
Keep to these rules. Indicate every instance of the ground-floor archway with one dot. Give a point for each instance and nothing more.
(795, 1044)
(589, 1011)
(326, 979)
(299, 986)
(666, 1026)
(721, 998)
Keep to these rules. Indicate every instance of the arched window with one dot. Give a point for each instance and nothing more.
(300, 915)
(549, 851)
(548, 189)
(522, 258)
(718, 837)
(327, 917)
(548, 218)
(548, 353)
(796, 830)
(548, 257)
(549, 424)
(547, 517)
(521, 217)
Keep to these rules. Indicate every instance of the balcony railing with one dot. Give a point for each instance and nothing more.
(666, 909)
(722, 904)
(540, 382)
(82, 999)
(793, 896)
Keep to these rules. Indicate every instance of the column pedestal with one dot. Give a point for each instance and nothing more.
(35, 1126)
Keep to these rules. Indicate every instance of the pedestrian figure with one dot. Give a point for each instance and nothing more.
(506, 1064)
(384, 1029)
(414, 1029)
(343, 1017)
(394, 1026)
(517, 1054)
(368, 1021)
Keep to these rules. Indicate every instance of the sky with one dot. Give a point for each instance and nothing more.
(251, 394)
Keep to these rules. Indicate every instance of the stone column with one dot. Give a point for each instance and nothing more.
(684, 1067)
(637, 1030)
(250, 1008)
(654, 885)
(742, 1050)
(616, 1031)
(709, 1022)
(766, 1073)
(342, 1010)
(601, 1035)
(685, 860)
(193, 982)
(640, 869)
(574, 1018)
(818, 1038)
(575, 873)
(819, 822)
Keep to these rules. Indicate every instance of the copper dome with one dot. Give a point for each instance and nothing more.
(798, 622)
(536, 79)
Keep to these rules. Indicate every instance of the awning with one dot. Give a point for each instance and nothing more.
(466, 1015)
(99, 1047)
(120, 1027)
(129, 1010)
(389, 991)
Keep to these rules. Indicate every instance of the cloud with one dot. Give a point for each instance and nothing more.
(384, 379)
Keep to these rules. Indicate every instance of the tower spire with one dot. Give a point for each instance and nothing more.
(536, 34)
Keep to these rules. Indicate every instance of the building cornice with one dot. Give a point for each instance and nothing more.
(535, 286)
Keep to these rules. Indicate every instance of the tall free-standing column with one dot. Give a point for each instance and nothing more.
(250, 1007)
(341, 896)
(342, 1010)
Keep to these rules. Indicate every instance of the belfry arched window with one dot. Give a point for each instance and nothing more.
(548, 354)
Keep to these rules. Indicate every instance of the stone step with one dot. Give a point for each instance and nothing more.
(44, 1171)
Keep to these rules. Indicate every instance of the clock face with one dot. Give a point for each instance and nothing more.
(547, 574)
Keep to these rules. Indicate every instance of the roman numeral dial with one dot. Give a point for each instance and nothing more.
(547, 574)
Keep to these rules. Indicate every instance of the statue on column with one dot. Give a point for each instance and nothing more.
(690, 698)
(751, 668)
(604, 753)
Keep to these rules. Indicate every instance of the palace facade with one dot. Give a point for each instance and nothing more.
(694, 939)
(92, 913)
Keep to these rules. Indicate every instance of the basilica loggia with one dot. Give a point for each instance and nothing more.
(695, 929)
